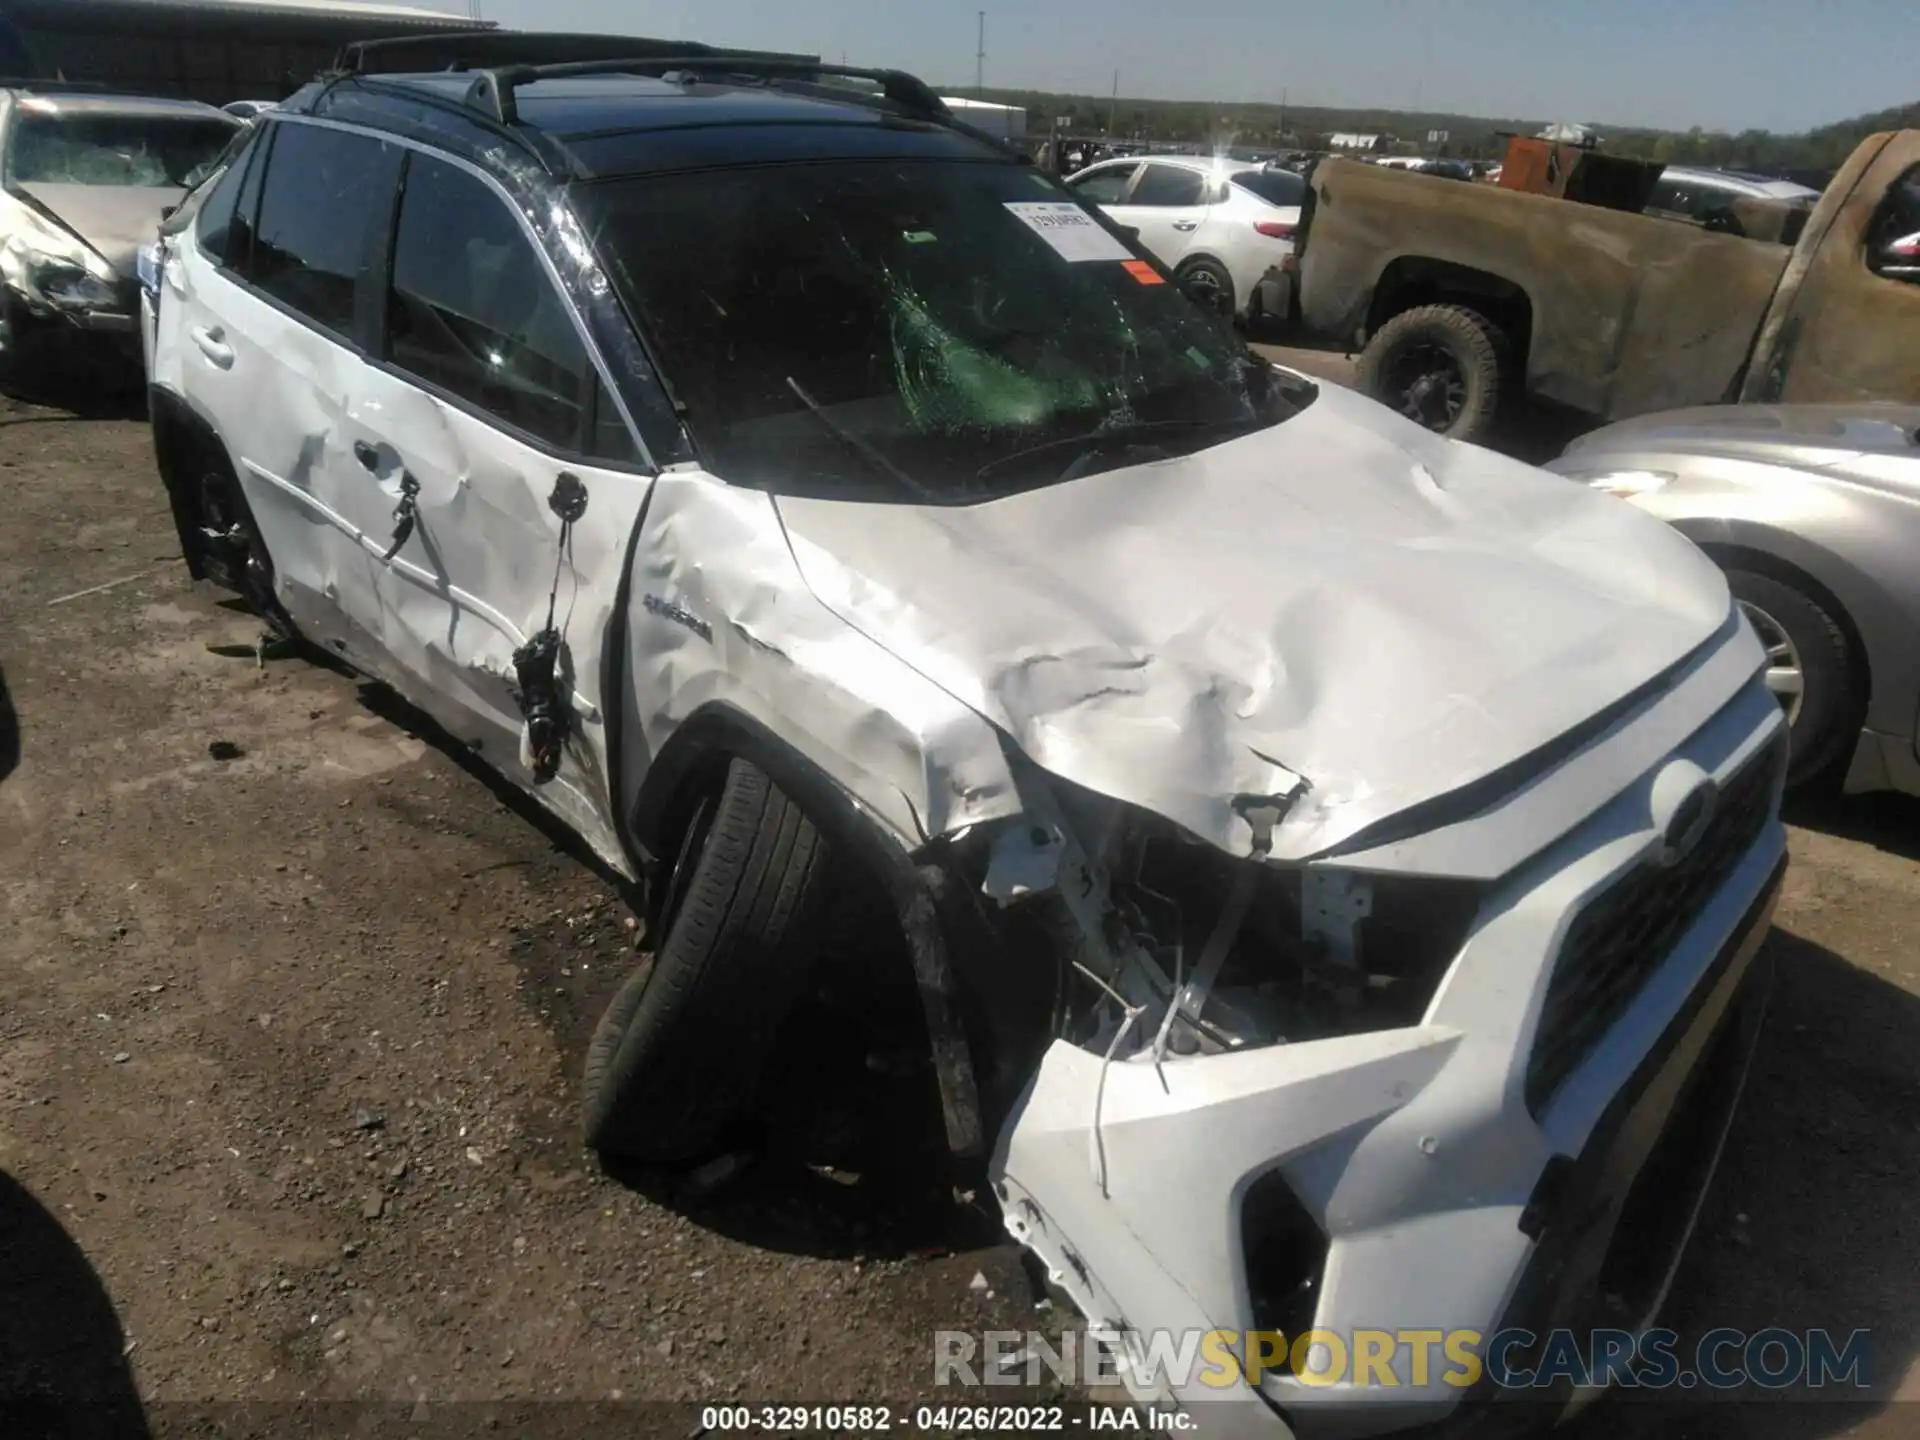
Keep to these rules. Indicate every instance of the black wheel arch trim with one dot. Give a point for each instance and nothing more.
(171, 413)
(922, 901)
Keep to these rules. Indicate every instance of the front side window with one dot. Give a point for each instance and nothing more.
(940, 330)
(163, 152)
(474, 313)
(323, 189)
(1170, 185)
(1104, 187)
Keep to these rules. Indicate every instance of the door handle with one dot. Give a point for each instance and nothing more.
(211, 342)
(1186, 224)
(367, 455)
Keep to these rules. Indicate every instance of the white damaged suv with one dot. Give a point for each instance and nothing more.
(1331, 860)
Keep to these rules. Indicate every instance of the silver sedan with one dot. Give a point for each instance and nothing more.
(1813, 512)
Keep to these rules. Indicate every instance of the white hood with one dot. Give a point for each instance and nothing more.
(1342, 609)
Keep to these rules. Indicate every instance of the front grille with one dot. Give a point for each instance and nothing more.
(1622, 936)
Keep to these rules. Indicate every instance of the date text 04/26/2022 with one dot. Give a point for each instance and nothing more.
(959, 1419)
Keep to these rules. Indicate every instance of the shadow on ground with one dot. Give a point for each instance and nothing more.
(1886, 822)
(1811, 1221)
(63, 391)
(63, 1365)
(389, 706)
(844, 1156)
(9, 731)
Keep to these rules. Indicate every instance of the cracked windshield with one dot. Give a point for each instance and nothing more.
(926, 329)
(118, 150)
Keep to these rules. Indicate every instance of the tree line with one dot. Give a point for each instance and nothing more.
(1266, 125)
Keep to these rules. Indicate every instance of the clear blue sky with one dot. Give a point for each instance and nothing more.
(1721, 64)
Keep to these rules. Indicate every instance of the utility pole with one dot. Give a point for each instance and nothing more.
(1113, 102)
(980, 61)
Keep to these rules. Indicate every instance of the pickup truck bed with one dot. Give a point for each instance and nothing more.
(1610, 312)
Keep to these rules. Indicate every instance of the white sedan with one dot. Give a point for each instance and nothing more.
(1225, 228)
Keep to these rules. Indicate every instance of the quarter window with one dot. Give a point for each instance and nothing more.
(322, 188)
(215, 225)
(474, 313)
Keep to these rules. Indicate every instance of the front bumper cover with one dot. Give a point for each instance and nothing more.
(1443, 1198)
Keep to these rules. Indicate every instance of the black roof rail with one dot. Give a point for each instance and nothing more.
(492, 90)
(477, 49)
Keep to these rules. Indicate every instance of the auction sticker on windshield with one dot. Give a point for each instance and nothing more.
(1073, 234)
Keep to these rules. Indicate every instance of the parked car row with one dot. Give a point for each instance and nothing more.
(1223, 227)
(87, 177)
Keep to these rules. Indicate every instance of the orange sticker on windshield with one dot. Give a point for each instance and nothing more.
(1143, 272)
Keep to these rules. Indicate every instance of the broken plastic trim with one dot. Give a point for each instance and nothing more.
(541, 695)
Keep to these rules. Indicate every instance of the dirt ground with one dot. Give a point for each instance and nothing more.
(294, 1010)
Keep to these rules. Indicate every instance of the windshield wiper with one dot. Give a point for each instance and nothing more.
(854, 443)
(1090, 443)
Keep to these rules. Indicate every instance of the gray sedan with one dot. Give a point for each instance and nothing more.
(1813, 511)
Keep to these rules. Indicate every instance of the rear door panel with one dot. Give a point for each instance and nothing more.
(1169, 232)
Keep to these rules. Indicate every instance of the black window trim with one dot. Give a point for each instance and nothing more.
(370, 345)
(353, 338)
(581, 451)
(258, 155)
(247, 153)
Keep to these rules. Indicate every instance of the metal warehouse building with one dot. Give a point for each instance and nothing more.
(212, 50)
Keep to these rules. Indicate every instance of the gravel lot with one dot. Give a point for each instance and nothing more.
(289, 1040)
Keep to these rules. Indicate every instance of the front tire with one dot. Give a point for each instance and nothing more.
(1811, 669)
(1441, 366)
(682, 1046)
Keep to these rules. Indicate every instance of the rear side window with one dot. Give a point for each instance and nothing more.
(1104, 187)
(1276, 187)
(474, 313)
(1893, 235)
(323, 190)
(1169, 185)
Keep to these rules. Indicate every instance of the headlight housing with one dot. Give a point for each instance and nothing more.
(52, 268)
(70, 287)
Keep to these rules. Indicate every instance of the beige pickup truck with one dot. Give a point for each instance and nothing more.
(1460, 295)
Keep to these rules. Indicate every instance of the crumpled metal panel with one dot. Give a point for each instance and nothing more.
(1629, 313)
(720, 615)
(1343, 610)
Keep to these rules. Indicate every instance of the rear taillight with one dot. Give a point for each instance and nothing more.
(1276, 229)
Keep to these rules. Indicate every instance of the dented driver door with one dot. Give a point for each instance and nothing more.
(512, 485)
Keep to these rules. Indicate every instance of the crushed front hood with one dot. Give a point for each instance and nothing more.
(114, 219)
(1341, 609)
